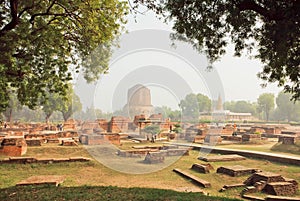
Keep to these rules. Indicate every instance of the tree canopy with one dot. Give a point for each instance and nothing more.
(41, 42)
(266, 103)
(287, 109)
(152, 129)
(53, 103)
(241, 106)
(270, 27)
(193, 104)
(167, 112)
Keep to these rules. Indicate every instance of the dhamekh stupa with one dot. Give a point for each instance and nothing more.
(139, 101)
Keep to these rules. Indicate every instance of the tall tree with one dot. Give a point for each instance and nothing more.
(70, 105)
(193, 104)
(42, 41)
(28, 115)
(51, 104)
(13, 107)
(287, 109)
(266, 104)
(204, 103)
(241, 106)
(167, 112)
(271, 27)
(189, 106)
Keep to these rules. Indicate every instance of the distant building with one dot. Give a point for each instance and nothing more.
(226, 115)
(219, 114)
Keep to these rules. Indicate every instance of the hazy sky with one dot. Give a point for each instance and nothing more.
(143, 58)
(238, 74)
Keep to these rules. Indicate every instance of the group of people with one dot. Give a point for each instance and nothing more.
(60, 127)
(3, 124)
(153, 138)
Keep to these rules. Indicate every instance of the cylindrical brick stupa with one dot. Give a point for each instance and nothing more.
(139, 101)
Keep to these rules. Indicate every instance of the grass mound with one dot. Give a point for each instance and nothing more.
(99, 193)
(294, 149)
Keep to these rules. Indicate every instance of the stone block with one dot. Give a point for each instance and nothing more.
(33, 142)
(69, 143)
(264, 176)
(202, 168)
(250, 137)
(13, 146)
(280, 188)
(289, 140)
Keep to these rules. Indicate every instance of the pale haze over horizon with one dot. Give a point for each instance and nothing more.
(238, 74)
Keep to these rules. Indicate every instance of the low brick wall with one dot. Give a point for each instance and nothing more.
(134, 153)
(33, 142)
(26, 160)
(232, 138)
(67, 134)
(68, 142)
(154, 157)
(259, 155)
(290, 140)
(236, 171)
(177, 152)
(250, 137)
(100, 139)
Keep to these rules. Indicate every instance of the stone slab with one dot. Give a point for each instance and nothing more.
(254, 198)
(42, 180)
(230, 157)
(147, 147)
(195, 179)
(281, 198)
(230, 186)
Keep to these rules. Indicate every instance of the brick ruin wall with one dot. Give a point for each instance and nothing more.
(13, 146)
(281, 188)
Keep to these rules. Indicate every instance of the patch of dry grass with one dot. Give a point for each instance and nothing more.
(94, 173)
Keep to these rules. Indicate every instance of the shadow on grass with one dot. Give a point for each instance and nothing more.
(46, 192)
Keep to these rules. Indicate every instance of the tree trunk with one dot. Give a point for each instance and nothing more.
(9, 117)
(267, 116)
(66, 115)
(47, 118)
